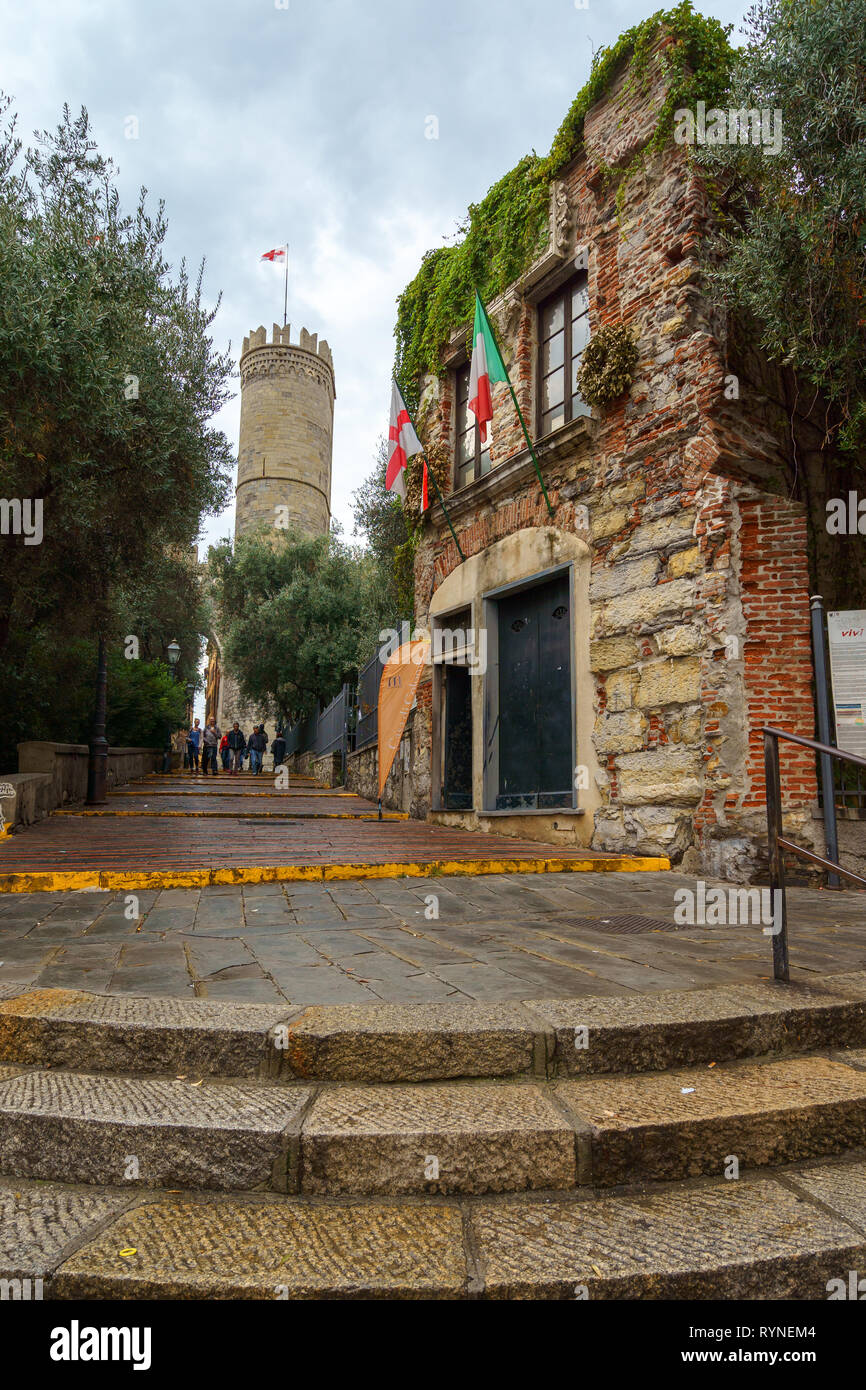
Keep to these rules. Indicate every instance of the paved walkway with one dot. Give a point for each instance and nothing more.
(177, 832)
(520, 936)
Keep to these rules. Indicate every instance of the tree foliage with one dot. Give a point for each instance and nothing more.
(297, 615)
(108, 378)
(504, 232)
(381, 519)
(793, 248)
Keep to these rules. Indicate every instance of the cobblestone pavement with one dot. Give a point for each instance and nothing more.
(516, 936)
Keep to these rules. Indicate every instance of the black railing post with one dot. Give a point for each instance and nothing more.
(776, 860)
(828, 791)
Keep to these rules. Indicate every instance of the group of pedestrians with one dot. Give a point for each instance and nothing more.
(233, 748)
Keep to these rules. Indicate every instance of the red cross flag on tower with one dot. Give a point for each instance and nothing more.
(278, 254)
(403, 442)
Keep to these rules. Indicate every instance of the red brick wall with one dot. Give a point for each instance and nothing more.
(778, 655)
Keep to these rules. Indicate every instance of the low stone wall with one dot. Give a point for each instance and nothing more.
(327, 769)
(362, 776)
(52, 774)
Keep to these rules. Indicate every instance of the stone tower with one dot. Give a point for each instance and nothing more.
(284, 465)
(287, 415)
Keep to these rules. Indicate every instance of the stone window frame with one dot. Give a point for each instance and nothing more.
(562, 291)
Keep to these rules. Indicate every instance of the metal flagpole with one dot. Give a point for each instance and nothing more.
(286, 295)
(431, 473)
(517, 408)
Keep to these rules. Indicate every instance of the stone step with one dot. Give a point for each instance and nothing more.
(488, 1137)
(465, 1137)
(98, 1032)
(436, 1138)
(150, 1131)
(781, 1237)
(431, 1042)
(694, 1120)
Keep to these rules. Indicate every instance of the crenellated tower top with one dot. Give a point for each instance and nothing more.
(287, 412)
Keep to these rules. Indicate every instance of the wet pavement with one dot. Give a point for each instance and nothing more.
(497, 937)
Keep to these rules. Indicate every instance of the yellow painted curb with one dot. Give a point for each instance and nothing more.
(246, 815)
(77, 880)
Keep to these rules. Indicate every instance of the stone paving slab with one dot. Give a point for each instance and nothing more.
(95, 1032)
(682, 1123)
(89, 1128)
(388, 1140)
(42, 1223)
(272, 1250)
(38, 932)
(725, 1240)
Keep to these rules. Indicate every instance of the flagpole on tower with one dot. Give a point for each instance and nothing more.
(286, 294)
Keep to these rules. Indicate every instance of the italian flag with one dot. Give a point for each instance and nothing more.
(487, 368)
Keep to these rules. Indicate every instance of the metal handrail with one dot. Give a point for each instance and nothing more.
(777, 842)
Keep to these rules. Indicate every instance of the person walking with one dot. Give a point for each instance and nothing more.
(278, 749)
(210, 739)
(225, 753)
(237, 744)
(258, 743)
(193, 739)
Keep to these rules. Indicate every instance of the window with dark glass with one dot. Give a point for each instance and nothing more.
(472, 458)
(563, 335)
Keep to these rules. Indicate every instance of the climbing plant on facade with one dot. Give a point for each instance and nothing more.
(505, 232)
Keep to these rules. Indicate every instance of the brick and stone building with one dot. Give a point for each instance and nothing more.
(639, 636)
(284, 463)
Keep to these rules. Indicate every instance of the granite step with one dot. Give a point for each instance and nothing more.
(149, 1131)
(798, 1234)
(436, 1138)
(716, 1120)
(431, 1042)
(488, 1137)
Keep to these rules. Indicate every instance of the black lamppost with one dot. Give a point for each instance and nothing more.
(98, 761)
(173, 655)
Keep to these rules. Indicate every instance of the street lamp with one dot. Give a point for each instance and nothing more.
(173, 656)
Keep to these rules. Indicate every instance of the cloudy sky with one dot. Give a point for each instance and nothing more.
(307, 121)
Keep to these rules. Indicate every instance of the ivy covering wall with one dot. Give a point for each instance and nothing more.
(508, 229)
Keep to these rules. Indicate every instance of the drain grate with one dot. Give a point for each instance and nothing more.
(630, 924)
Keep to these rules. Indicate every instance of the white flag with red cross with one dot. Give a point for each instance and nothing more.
(403, 442)
(278, 254)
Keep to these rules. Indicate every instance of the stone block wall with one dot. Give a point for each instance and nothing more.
(699, 589)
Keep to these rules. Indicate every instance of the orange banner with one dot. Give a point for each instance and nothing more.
(400, 677)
